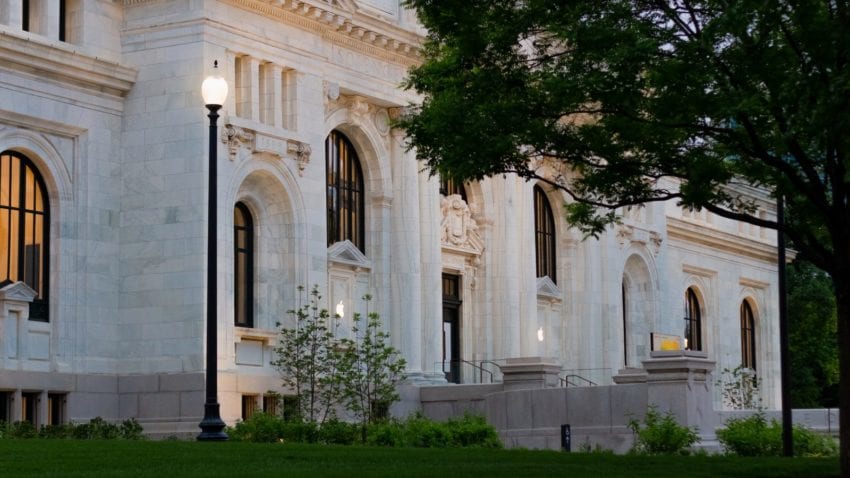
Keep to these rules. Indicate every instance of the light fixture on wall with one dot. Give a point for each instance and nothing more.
(540, 334)
(214, 92)
(340, 310)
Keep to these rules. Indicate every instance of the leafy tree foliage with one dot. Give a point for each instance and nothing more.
(812, 337)
(328, 372)
(308, 360)
(372, 370)
(695, 101)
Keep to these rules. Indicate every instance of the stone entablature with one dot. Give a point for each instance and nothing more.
(33, 55)
(343, 23)
(678, 229)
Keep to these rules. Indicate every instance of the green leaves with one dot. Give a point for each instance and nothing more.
(645, 101)
(326, 372)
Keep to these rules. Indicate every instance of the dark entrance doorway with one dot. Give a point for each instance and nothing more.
(451, 327)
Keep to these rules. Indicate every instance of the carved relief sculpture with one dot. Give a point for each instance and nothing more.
(457, 228)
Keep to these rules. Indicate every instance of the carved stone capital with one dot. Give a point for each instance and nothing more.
(234, 137)
(301, 152)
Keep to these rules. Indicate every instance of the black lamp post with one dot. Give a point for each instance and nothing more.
(214, 91)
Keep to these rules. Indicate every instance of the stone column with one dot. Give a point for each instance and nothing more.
(431, 276)
(679, 381)
(407, 265)
(271, 99)
(44, 18)
(247, 92)
(16, 414)
(11, 13)
(43, 413)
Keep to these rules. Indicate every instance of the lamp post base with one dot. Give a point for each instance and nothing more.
(212, 426)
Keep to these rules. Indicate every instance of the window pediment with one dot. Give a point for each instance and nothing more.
(18, 291)
(546, 289)
(345, 253)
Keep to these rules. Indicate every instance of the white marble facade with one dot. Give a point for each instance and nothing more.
(112, 117)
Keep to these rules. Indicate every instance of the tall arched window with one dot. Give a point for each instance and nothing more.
(544, 235)
(24, 229)
(693, 321)
(345, 192)
(243, 266)
(748, 336)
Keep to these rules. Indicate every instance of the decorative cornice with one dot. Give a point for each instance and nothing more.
(344, 25)
(723, 241)
(40, 57)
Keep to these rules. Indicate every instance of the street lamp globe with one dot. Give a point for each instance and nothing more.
(214, 89)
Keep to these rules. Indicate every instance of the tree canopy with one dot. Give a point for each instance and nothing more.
(630, 94)
(696, 101)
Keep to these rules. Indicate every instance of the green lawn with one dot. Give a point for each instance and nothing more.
(67, 458)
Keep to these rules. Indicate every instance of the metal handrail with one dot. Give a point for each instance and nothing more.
(565, 381)
(481, 370)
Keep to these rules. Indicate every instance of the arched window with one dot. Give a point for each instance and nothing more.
(450, 186)
(748, 336)
(544, 235)
(693, 321)
(243, 266)
(24, 229)
(345, 192)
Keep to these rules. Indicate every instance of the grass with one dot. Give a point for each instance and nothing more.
(73, 458)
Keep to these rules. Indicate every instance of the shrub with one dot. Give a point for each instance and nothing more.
(260, 428)
(473, 431)
(387, 433)
(755, 436)
(20, 430)
(335, 432)
(299, 431)
(661, 434)
(131, 430)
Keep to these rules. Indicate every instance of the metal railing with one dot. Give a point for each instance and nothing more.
(477, 369)
(573, 380)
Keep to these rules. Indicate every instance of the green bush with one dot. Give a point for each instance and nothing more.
(388, 433)
(20, 430)
(756, 436)
(473, 431)
(416, 431)
(97, 428)
(335, 432)
(661, 435)
(260, 428)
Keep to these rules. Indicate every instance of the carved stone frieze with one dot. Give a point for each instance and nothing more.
(234, 137)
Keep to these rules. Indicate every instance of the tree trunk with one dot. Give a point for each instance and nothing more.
(842, 298)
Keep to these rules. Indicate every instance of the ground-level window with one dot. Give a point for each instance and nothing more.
(29, 407)
(56, 408)
(249, 406)
(271, 404)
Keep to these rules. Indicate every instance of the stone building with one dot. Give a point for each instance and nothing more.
(103, 169)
